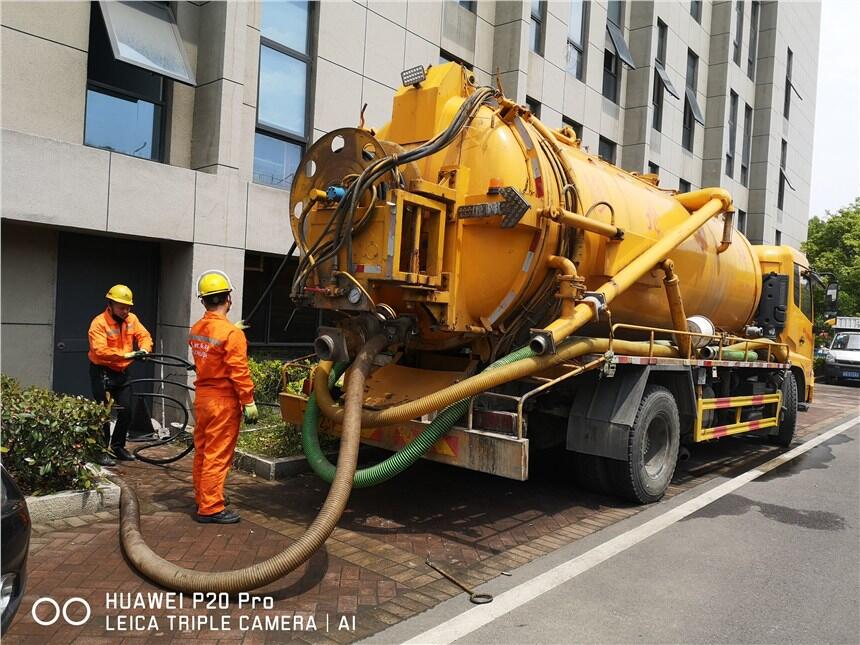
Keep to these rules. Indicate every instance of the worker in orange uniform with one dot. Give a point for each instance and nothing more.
(224, 392)
(113, 334)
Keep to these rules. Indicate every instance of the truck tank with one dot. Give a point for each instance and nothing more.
(461, 239)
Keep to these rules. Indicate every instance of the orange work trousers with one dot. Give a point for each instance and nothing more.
(215, 435)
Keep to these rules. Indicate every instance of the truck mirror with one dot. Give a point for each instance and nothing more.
(831, 299)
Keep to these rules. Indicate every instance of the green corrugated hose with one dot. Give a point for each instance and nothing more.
(403, 458)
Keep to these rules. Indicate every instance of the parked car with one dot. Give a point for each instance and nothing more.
(843, 357)
(15, 538)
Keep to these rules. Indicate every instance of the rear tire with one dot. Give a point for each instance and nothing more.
(787, 413)
(652, 449)
(590, 472)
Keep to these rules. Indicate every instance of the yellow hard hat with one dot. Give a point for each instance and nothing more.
(121, 294)
(212, 282)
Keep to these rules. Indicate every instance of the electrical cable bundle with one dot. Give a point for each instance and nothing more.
(341, 221)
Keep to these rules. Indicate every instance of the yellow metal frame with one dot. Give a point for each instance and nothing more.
(434, 214)
(738, 403)
(722, 339)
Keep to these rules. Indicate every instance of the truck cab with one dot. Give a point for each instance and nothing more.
(842, 361)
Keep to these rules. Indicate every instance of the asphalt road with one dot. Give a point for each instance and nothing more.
(775, 561)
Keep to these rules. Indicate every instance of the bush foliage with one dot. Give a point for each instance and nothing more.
(48, 438)
(270, 436)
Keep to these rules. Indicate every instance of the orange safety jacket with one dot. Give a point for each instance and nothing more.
(221, 358)
(110, 340)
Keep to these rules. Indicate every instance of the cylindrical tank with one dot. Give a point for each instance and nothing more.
(492, 271)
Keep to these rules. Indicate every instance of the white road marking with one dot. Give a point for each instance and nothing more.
(475, 618)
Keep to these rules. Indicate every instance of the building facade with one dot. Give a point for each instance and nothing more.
(147, 142)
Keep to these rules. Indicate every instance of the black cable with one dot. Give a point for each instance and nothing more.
(346, 208)
(271, 284)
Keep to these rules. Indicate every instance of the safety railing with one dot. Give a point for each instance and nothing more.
(722, 340)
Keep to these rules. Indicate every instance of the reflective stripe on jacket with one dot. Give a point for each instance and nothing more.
(110, 340)
(221, 358)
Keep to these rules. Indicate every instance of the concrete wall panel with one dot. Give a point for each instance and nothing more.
(51, 182)
(268, 220)
(43, 87)
(28, 353)
(150, 199)
(384, 50)
(66, 23)
(219, 210)
(338, 43)
(425, 19)
(338, 96)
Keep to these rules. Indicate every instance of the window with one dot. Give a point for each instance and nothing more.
(684, 186)
(777, 237)
(144, 34)
(696, 10)
(468, 5)
(783, 178)
(739, 30)
(277, 321)
(538, 14)
(611, 70)
(534, 106)
(576, 127)
(577, 38)
(661, 78)
(692, 113)
(653, 168)
(741, 223)
(616, 51)
(789, 85)
(733, 134)
(753, 52)
(615, 31)
(747, 146)
(282, 116)
(125, 107)
(606, 150)
(448, 57)
(802, 291)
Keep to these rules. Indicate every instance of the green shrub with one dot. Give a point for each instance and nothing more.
(270, 436)
(266, 375)
(48, 438)
(818, 366)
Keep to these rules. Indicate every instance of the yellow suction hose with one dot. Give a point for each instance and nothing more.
(177, 578)
(569, 350)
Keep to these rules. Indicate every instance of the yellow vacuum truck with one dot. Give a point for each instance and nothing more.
(627, 320)
(493, 288)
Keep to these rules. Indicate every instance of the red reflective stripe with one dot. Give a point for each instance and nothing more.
(719, 431)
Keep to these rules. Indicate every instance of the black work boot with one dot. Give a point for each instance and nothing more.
(105, 460)
(224, 517)
(123, 455)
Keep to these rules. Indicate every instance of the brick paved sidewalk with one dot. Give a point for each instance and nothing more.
(371, 570)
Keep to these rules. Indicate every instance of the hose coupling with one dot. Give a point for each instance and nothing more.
(542, 342)
(596, 300)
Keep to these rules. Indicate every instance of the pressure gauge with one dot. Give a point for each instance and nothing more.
(354, 296)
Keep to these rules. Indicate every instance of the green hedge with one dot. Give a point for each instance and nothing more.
(48, 438)
(270, 436)
(266, 374)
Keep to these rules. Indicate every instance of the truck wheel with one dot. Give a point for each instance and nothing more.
(787, 414)
(590, 472)
(652, 449)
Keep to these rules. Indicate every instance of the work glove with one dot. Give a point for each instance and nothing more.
(250, 413)
(242, 325)
(138, 354)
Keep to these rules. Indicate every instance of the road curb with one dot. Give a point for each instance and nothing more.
(73, 503)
